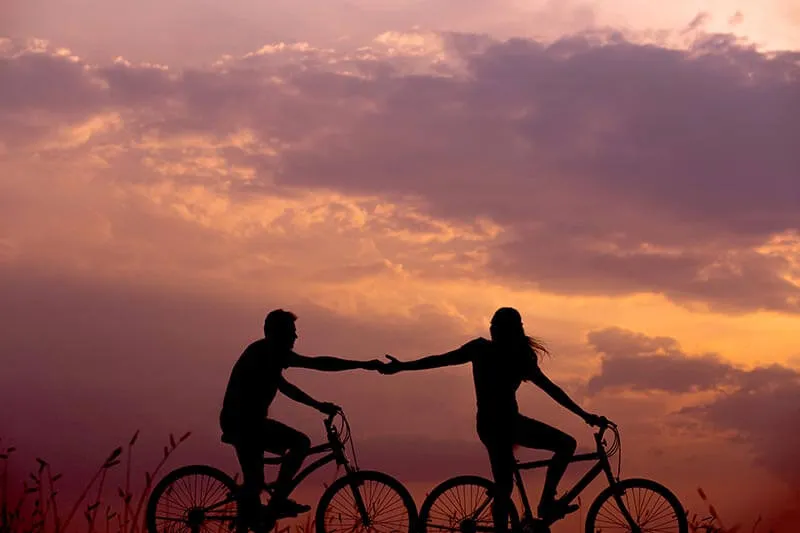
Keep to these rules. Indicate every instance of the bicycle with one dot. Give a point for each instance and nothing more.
(362, 495)
(625, 499)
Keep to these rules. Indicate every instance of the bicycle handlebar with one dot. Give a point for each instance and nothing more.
(604, 425)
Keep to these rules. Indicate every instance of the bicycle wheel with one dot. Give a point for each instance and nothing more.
(387, 504)
(652, 506)
(193, 499)
(462, 504)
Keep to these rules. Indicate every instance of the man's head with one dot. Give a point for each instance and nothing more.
(279, 328)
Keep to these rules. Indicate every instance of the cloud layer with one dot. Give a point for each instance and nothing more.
(590, 166)
(393, 194)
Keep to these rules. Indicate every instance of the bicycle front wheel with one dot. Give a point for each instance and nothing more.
(652, 507)
(366, 501)
(462, 504)
(194, 499)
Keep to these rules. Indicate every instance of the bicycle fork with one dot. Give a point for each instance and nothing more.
(617, 495)
(354, 488)
(362, 508)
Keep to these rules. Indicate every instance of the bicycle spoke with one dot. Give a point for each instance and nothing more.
(650, 510)
(386, 510)
(464, 506)
(185, 503)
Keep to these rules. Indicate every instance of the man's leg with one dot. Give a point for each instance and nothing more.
(250, 453)
(534, 434)
(294, 446)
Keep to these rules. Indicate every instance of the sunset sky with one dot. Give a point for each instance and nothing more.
(624, 173)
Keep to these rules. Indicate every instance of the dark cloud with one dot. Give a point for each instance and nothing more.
(764, 410)
(30, 79)
(633, 361)
(760, 406)
(612, 167)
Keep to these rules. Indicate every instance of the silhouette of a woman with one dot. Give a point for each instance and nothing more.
(499, 366)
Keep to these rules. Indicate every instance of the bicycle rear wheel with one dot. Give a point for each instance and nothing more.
(462, 504)
(193, 499)
(652, 506)
(366, 501)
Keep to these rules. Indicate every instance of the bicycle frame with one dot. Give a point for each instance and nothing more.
(334, 446)
(334, 455)
(601, 466)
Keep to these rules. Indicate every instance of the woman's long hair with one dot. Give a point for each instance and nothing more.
(507, 329)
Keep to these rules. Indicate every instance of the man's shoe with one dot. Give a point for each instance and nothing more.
(255, 524)
(535, 525)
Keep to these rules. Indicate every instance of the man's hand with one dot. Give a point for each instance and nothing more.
(374, 364)
(328, 408)
(596, 420)
(392, 367)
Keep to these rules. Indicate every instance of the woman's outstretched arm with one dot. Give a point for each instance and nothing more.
(459, 356)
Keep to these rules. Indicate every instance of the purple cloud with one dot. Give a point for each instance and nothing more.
(612, 167)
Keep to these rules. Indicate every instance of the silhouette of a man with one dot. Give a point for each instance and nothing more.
(254, 381)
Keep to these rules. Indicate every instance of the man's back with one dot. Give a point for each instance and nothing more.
(252, 386)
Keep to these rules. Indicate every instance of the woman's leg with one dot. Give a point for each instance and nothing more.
(501, 458)
(534, 434)
(498, 439)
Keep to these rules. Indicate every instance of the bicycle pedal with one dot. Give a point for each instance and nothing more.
(292, 513)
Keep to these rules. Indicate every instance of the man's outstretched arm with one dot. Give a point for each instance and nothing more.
(328, 363)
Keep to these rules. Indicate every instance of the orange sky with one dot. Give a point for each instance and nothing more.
(633, 194)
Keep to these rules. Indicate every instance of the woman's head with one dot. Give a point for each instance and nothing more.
(506, 325)
(506, 328)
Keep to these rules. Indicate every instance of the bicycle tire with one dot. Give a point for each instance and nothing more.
(439, 491)
(358, 479)
(185, 472)
(680, 521)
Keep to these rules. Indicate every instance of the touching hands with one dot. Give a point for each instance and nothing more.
(374, 364)
(392, 367)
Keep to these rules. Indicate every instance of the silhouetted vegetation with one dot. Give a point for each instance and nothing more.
(34, 507)
(712, 523)
(31, 505)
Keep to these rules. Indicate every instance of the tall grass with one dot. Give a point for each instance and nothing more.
(713, 523)
(35, 507)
